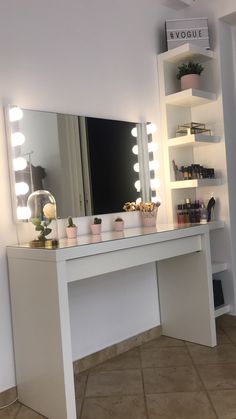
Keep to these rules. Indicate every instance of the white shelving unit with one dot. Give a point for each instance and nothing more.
(194, 183)
(194, 140)
(190, 97)
(192, 105)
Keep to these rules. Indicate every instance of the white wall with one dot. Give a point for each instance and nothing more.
(95, 58)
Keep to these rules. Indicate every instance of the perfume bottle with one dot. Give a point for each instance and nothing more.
(203, 214)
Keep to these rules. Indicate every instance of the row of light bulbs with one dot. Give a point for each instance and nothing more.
(15, 114)
(153, 164)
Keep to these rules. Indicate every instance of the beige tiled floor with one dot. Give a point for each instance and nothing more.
(162, 379)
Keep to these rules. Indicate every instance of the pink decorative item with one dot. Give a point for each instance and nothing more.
(118, 225)
(96, 228)
(71, 232)
(149, 218)
(190, 81)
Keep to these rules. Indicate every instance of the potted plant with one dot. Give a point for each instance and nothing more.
(189, 75)
(71, 229)
(96, 227)
(118, 224)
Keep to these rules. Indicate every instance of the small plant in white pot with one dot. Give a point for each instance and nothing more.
(71, 229)
(96, 227)
(118, 224)
(189, 75)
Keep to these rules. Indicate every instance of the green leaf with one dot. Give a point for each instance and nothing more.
(39, 227)
(36, 221)
(47, 231)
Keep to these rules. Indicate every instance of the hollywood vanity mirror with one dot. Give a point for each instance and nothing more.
(90, 165)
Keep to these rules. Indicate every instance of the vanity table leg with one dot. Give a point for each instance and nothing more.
(186, 296)
(42, 339)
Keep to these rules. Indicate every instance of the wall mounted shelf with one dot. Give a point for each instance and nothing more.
(194, 140)
(195, 183)
(187, 52)
(190, 97)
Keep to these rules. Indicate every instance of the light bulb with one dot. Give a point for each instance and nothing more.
(134, 132)
(155, 183)
(15, 114)
(135, 150)
(151, 128)
(136, 167)
(17, 138)
(154, 165)
(152, 147)
(137, 185)
(19, 164)
(156, 199)
(23, 213)
(21, 188)
(138, 200)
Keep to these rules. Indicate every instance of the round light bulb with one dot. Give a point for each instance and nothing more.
(155, 184)
(136, 167)
(19, 164)
(17, 138)
(138, 200)
(15, 114)
(134, 132)
(137, 185)
(151, 128)
(135, 150)
(21, 188)
(152, 147)
(154, 165)
(23, 213)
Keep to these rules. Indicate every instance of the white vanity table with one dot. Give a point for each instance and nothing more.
(39, 281)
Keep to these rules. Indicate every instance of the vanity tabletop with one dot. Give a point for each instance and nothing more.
(108, 241)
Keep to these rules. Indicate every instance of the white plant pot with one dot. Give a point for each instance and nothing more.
(71, 232)
(118, 225)
(190, 81)
(96, 228)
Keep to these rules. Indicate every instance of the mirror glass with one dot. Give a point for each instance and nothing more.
(90, 165)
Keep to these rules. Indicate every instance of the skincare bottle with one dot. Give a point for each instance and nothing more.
(203, 214)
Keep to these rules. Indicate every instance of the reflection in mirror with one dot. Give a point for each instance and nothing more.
(90, 165)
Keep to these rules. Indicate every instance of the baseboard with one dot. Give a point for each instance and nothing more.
(8, 396)
(116, 349)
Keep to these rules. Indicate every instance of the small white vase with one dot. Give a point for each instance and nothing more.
(71, 232)
(118, 225)
(96, 228)
(190, 81)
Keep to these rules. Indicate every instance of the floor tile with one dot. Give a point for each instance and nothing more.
(162, 341)
(226, 321)
(25, 413)
(171, 379)
(224, 402)
(217, 377)
(219, 355)
(80, 384)
(125, 361)
(179, 406)
(221, 337)
(10, 412)
(121, 407)
(165, 357)
(231, 333)
(107, 383)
